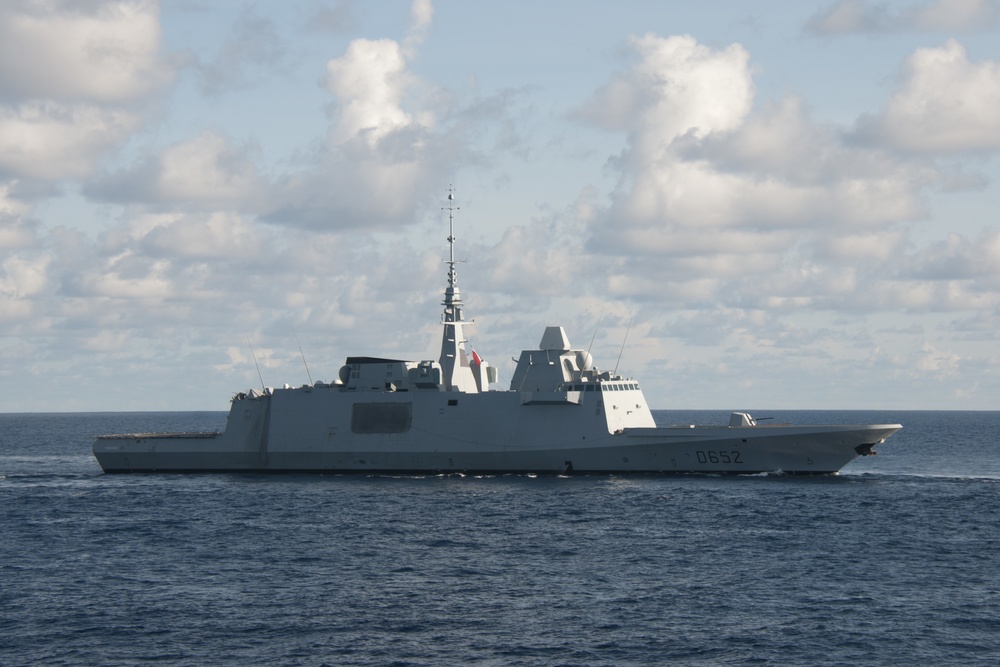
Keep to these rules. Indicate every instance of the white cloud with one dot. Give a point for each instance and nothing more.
(525, 261)
(725, 191)
(24, 273)
(954, 15)
(781, 140)
(22, 277)
(678, 87)
(369, 81)
(219, 236)
(51, 141)
(208, 168)
(357, 185)
(877, 246)
(124, 281)
(959, 258)
(861, 16)
(945, 104)
(937, 362)
(15, 232)
(386, 145)
(762, 211)
(421, 14)
(16, 235)
(754, 244)
(99, 52)
(847, 16)
(384, 150)
(72, 76)
(206, 172)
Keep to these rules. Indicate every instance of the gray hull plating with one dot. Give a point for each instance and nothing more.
(298, 430)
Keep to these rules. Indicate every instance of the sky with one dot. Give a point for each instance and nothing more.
(772, 205)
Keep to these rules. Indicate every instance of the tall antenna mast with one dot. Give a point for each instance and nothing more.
(452, 275)
(455, 371)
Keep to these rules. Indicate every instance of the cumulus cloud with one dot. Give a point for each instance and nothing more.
(391, 138)
(387, 144)
(725, 206)
(369, 82)
(217, 236)
(849, 16)
(23, 277)
(72, 79)
(421, 14)
(527, 260)
(945, 103)
(722, 189)
(383, 151)
(769, 233)
(861, 16)
(168, 269)
(101, 52)
(371, 85)
(959, 258)
(14, 231)
(51, 141)
(206, 172)
(678, 87)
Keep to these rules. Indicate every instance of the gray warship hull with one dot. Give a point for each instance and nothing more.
(320, 430)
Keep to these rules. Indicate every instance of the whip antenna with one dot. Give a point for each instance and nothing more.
(303, 355)
(596, 329)
(615, 372)
(262, 387)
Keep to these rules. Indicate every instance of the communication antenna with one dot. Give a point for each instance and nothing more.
(615, 372)
(451, 294)
(596, 329)
(302, 354)
(451, 208)
(262, 387)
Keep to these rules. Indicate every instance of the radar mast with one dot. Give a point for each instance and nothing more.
(457, 374)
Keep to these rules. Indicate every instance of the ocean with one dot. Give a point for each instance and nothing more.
(896, 561)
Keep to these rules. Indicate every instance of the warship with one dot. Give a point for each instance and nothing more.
(561, 414)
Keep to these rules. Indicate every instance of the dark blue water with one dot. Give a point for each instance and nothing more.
(894, 562)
